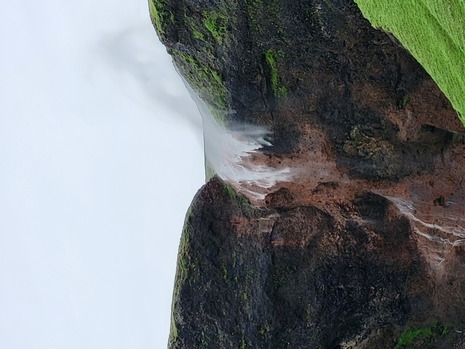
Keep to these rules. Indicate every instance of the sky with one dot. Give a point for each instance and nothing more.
(100, 156)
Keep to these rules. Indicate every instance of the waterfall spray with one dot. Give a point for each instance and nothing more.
(234, 154)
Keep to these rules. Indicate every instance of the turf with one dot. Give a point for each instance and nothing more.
(434, 33)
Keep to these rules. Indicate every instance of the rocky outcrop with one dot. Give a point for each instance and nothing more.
(363, 246)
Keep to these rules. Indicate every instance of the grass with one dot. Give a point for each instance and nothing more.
(434, 32)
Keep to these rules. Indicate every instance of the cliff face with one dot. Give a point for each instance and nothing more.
(295, 277)
(362, 245)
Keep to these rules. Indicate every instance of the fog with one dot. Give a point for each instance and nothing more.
(100, 156)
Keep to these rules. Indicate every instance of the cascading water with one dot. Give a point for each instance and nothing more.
(234, 154)
(439, 229)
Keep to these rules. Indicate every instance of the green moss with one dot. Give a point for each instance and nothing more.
(182, 267)
(183, 255)
(329, 4)
(458, 138)
(255, 4)
(198, 35)
(173, 336)
(411, 336)
(231, 192)
(217, 77)
(264, 330)
(209, 171)
(206, 81)
(243, 343)
(224, 272)
(279, 279)
(155, 17)
(402, 102)
(265, 18)
(423, 335)
(234, 257)
(432, 30)
(255, 11)
(160, 16)
(240, 200)
(215, 22)
(271, 60)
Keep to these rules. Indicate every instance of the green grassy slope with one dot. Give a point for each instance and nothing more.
(434, 32)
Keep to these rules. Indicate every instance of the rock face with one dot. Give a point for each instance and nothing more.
(364, 245)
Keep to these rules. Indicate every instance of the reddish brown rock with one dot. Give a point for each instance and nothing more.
(364, 244)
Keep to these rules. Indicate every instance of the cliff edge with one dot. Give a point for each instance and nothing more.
(360, 241)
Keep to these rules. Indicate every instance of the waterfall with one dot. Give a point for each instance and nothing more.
(233, 153)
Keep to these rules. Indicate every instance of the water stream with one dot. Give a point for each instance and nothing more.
(233, 154)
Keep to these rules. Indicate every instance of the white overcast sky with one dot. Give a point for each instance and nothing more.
(100, 156)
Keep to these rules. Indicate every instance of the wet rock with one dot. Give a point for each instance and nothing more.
(280, 198)
(362, 247)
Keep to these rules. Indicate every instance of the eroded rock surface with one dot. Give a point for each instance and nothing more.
(363, 244)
